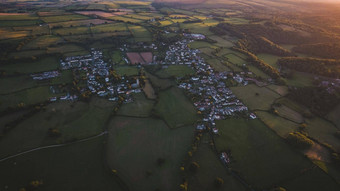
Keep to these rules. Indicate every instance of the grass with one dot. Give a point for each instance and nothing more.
(140, 33)
(80, 164)
(282, 90)
(300, 79)
(149, 90)
(262, 101)
(200, 44)
(140, 107)
(313, 180)
(13, 84)
(66, 77)
(176, 71)
(13, 34)
(28, 97)
(289, 113)
(135, 144)
(65, 49)
(159, 83)
(334, 116)
(9, 23)
(269, 59)
(43, 42)
(259, 155)
(323, 131)
(217, 65)
(61, 18)
(210, 168)
(17, 17)
(280, 125)
(125, 19)
(293, 105)
(175, 108)
(126, 70)
(71, 31)
(116, 57)
(235, 59)
(196, 28)
(74, 121)
(115, 27)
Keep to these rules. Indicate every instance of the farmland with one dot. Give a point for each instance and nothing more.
(158, 95)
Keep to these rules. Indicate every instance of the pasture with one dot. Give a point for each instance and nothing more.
(42, 42)
(255, 97)
(27, 97)
(140, 107)
(210, 168)
(175, 108)
(126, 70)
(251, 142)
(140, 33)
(43, 64)
(61, 18)
(59, 167)
(135, 145)
(175, 71)
(280, 125)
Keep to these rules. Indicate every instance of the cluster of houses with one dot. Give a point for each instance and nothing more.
(180, 53)
(99, 80)
(215, 100)
(194, 36)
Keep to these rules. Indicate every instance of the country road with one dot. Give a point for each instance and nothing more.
(53, 146)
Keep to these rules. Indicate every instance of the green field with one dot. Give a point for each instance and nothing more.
(280, 125)
(126, 70)
(262, 101)
(43, 42)
(334, 116)
(300, 79)
(263, 158)
(71, 31)
(323, 131)
(140, 107)
(74, 121)
(269, 59)
(176, 71)
(140, 33)
(27, 97)
(175, 108)
(115, 27)
(210, 168)
(134, 146)
(61, 18)
(13, 84)
(200, 44)
(75, 167)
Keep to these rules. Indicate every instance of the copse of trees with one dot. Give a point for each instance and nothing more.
(322, 50)
(318, 100)
(266, 68)
(323, 67)
(299, 140)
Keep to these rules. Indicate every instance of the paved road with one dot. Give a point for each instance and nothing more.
(53, 146)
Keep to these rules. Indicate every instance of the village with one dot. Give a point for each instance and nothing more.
(216, 101)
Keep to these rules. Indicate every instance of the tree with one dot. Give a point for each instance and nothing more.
(218, 182)
(193, 167)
